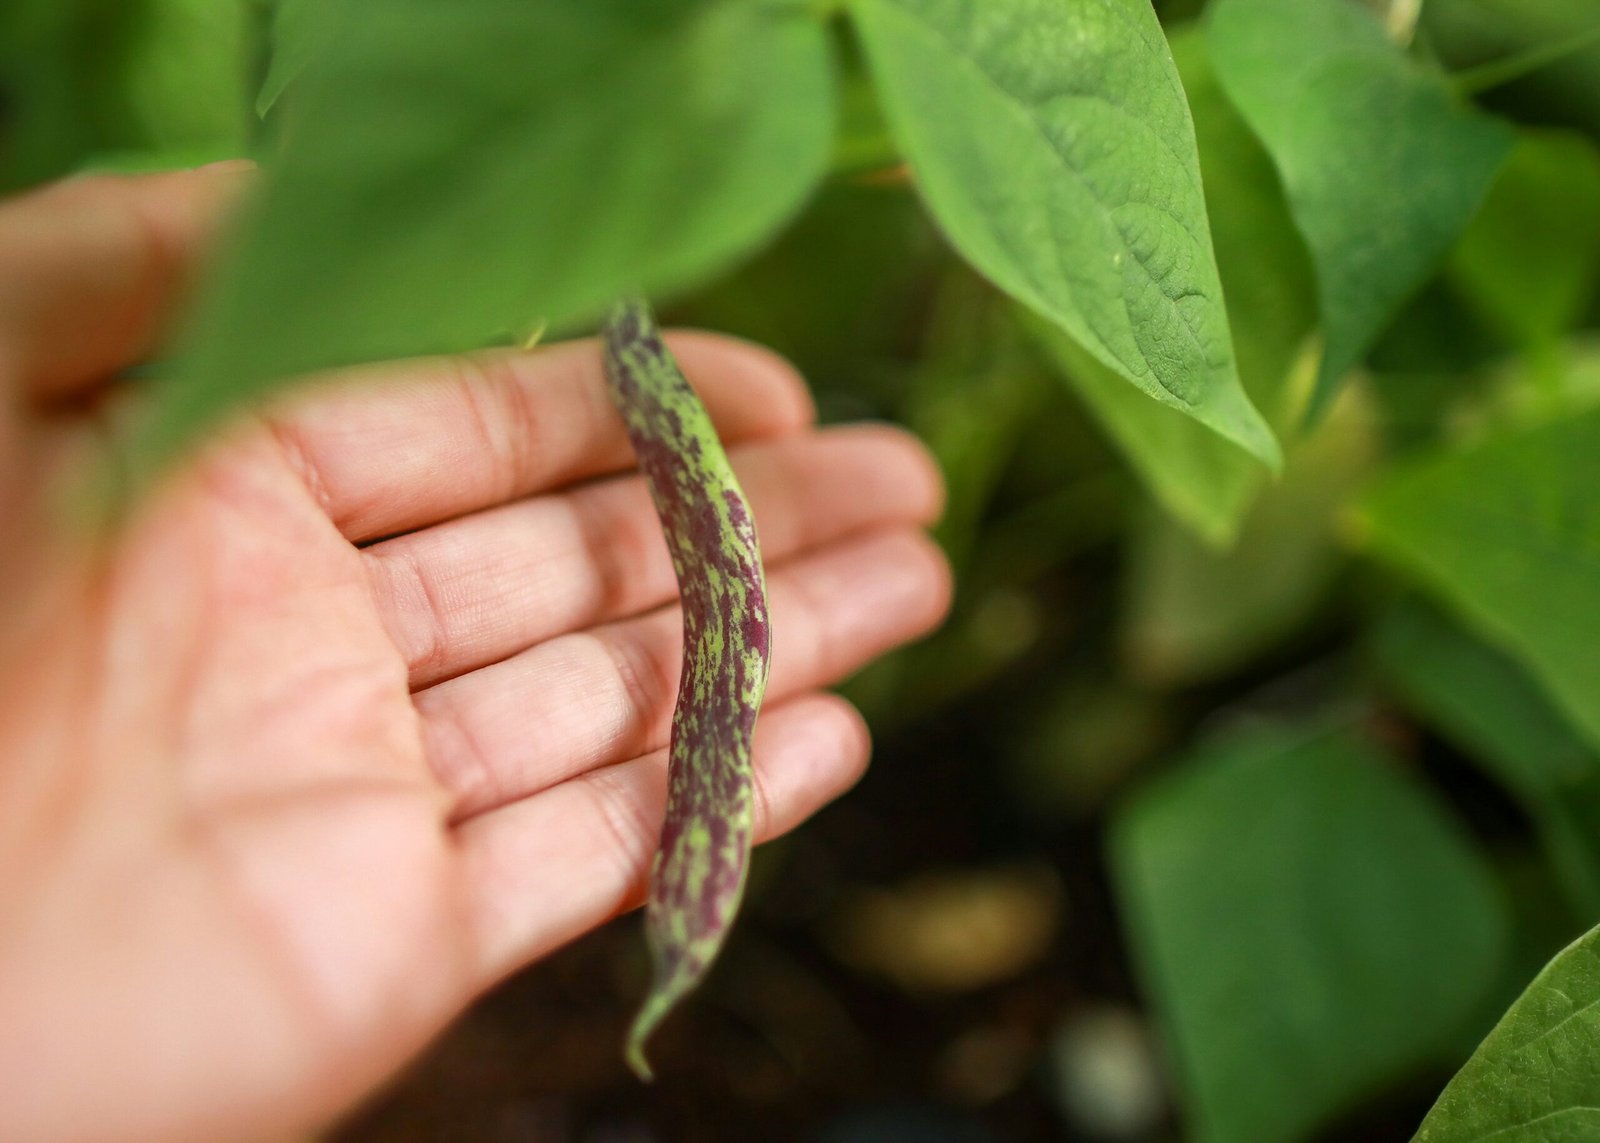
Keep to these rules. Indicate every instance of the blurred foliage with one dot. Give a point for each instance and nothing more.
(1507, 532)
(924, 203)
(1311, 923)
(1528, 259)
(1349, 121)
(1192, 613)
(421, 133)
(121, 82)
(1480, 699)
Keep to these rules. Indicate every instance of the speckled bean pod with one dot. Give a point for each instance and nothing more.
(699, 870)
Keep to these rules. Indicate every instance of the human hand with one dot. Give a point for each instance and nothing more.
(366, 706)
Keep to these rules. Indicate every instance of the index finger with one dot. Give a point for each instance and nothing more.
(392, 448)
(93, 269)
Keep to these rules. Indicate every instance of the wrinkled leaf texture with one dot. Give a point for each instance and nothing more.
(1536, 1077)
(1053, 145)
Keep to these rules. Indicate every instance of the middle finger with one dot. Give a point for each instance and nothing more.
(603, 695)
(469, 592)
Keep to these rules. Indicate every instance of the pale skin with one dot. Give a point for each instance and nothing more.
(365, 707)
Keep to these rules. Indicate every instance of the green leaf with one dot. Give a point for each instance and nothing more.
(123, 83)
(1266, 273)
(1530, 258)
(60, 62)
(187, 76)
(1203, 480)
(1052, 143)
(1486, 705)
(700, 868)
(458, 170)
(1383, 166)
(1308, 924)
(1508, 534)
(301, 31)
(1193, 614)
(1536, 1077)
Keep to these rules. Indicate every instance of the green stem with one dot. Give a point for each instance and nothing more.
(1476, 80)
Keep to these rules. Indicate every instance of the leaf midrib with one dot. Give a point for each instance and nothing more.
(1021, 107)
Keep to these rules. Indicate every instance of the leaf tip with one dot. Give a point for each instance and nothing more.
(1256, 437)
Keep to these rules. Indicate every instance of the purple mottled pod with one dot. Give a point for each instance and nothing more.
(705, 841)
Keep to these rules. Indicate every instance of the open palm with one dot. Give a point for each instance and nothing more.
(367, 707)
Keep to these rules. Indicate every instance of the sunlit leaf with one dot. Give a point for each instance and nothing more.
(1203, 480)
(1053, 145)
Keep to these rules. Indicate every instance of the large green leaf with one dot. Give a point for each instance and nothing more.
(1536, 1077)
(1308, 924)
(1382, 165)
(1488, 706)
(1508, 534)
(301, 30)
(1529, 260)
(1203, 480)
(1266, 273)
(1052, 143)
(456, 170)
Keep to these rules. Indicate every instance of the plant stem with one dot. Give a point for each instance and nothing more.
(1487, 76)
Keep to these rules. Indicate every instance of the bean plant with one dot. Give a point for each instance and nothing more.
(1319, 273)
